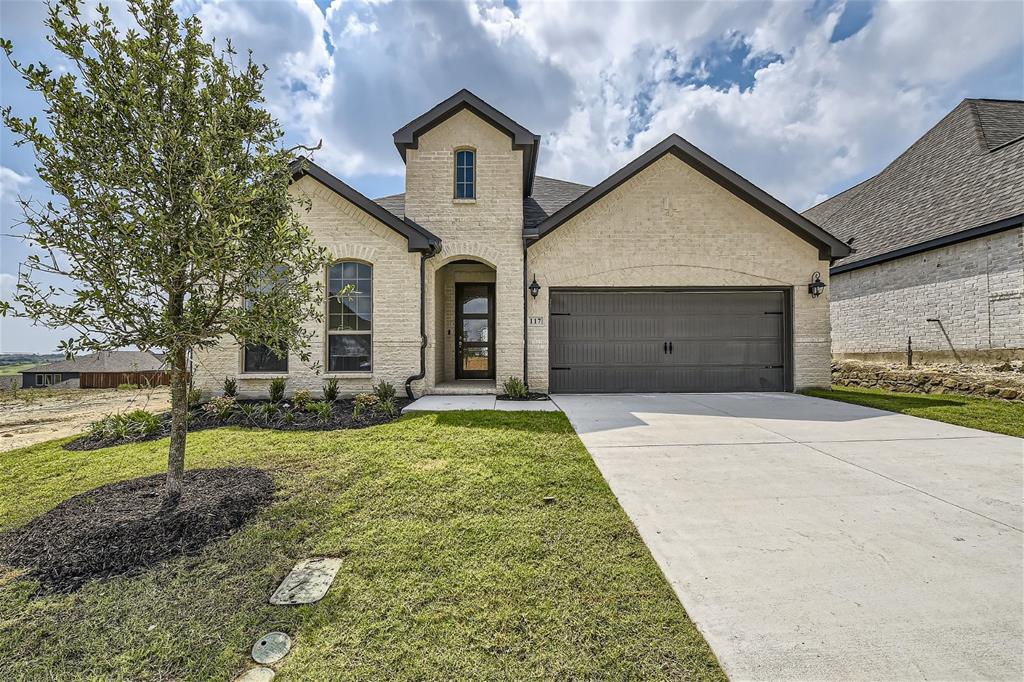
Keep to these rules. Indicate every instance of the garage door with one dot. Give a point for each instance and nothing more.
(643, 340)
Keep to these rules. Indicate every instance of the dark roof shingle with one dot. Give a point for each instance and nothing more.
(967, 171)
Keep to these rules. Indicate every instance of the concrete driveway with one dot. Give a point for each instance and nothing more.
(811, 539)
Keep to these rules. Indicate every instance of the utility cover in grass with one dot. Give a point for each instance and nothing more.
(271, 647)
(121, 527)
(308, 582)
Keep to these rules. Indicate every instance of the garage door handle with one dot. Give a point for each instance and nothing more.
(664, 348)
(670, 348)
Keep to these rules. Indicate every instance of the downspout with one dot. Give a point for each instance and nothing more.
(429, 253)
(526, 302)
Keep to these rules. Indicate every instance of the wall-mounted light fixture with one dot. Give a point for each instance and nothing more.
(534, 287)
(816, 286)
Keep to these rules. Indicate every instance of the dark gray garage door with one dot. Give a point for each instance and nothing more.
(642, 340)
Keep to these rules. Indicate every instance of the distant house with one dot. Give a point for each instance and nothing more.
(938, 239)
(106, 369)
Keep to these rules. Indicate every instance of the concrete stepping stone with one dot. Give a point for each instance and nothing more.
(308, 582)
(256, 675)
(271, 647)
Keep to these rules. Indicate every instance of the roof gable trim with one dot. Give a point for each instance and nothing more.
(829, 247)
(420, 239)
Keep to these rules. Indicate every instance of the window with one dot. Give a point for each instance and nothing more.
(260, 359)
(48, 379)
(465, 174)
(349, 317)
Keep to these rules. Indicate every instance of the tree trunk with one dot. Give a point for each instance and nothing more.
(179, 427)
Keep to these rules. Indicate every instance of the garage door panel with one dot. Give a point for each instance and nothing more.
(615, 340)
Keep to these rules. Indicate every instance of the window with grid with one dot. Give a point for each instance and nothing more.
(259, 358)
(465, 174)
(349, 317)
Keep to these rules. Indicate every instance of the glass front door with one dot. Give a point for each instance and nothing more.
(474, 330)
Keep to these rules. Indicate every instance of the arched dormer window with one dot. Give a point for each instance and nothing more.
(465, 174)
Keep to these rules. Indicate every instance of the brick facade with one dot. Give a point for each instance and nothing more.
(976, 288)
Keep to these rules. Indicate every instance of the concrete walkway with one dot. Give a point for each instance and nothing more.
(449, 403)
(811, 539)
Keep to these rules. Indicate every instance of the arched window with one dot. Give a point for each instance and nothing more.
(465, 174)
(350, 317)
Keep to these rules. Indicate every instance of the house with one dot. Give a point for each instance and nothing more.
(938, 239)
(105, 369)
(673, 274)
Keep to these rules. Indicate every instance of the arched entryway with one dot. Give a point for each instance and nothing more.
(464, 348)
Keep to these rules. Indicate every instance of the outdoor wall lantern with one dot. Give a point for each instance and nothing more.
(534, 287)
(816, 286)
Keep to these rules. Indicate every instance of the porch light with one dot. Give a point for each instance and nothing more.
(534, 287)
(816, 286)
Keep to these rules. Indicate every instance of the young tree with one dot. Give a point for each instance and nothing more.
(171, 224)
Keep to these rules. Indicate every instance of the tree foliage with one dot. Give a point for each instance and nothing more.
(170, 223)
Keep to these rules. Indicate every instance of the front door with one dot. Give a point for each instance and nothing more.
(474, 331)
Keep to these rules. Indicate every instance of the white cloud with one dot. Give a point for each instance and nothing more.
(7, 285)
(11, 183)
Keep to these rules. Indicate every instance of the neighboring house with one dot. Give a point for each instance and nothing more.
(105, 369)
(938, 244)
(674, 274)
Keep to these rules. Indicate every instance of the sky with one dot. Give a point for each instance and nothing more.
(802, 98)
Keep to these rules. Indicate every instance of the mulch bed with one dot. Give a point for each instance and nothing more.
(529, 396)
(300, 420)
(120, 527)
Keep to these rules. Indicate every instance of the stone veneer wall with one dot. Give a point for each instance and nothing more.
(975, 288)
(348, 233)
(488, 229)
(671, 226)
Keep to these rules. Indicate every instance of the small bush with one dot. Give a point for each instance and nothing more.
(388, 407)
(277, 389)
(251, 412)
(230, 387)
(302, 399)
(133, 425)
(269, 412)
(222, 408)
(515, 388)
(384, 391)
(195, 396)
(363, 402)
(331, 390)
(322, 409)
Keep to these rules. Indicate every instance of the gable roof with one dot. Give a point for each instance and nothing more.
(962, 179)
(407, 137)
(105, 361)
(828, 246)
(420, 239)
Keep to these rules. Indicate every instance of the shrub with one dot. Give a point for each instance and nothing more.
(363, 402)
(221, 408)
(384, 391)
(251, 411)
(269, 411)
(388, 407)
(515, 388)
(195, 396)
(230, 387)
(302, 399)
(322, 409)
(277, 389)
(331, 390)
(133, 425)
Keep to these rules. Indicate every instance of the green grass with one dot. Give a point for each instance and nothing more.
(454, 568)
(7, 370)
(997, 416)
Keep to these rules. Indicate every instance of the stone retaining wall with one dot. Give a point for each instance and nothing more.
(1006, 382)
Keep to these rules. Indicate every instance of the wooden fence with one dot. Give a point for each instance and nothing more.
(115, 379)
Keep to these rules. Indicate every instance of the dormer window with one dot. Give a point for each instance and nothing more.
(465, 174)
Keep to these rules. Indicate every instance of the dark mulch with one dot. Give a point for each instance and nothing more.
(286, 418)
(121, 528)
(529, 396)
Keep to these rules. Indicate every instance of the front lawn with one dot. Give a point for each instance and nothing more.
(454, 566)
(986, 414)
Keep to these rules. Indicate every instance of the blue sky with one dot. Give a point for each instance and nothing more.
(803, 98)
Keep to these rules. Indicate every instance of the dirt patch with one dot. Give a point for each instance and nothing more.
(121, 528)
(261, 414)
(30, 416)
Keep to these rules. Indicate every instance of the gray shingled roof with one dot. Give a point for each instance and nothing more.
(965, 172)
(106, 361)
(548, 196)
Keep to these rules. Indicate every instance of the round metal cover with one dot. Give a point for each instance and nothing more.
(271, 647)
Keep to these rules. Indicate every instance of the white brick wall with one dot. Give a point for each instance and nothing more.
(974, 287)
(671, 226)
